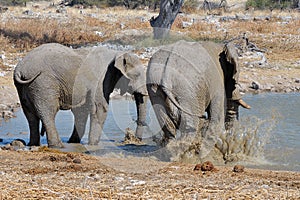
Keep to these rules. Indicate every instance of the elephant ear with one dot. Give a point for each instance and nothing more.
(123, 62)
(232, 57)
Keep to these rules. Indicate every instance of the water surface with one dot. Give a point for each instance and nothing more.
(274, 118)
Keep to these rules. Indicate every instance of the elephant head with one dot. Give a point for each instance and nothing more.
(134, 71)
(127, 73)
(231, 69)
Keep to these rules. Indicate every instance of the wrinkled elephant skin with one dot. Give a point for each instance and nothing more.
(185, 80)
(53, 77)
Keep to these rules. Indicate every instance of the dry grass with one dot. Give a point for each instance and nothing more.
(49, 175)
(22, 33)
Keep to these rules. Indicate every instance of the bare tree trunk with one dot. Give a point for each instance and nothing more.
(206, 5)
(167, 14)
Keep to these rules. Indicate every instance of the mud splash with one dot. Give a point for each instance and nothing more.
(244, 143)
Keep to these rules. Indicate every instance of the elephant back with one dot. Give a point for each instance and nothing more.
(187, 68)
(49, 58)
(187, 60)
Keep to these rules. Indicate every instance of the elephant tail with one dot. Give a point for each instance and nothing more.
(18, 78)
(174, 101)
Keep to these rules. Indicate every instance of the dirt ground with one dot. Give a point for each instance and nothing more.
(52, 174)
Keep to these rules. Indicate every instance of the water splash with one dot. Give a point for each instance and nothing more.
(247, 139)
(245, 142)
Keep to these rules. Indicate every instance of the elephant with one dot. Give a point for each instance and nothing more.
(54, 77)
(188, 84)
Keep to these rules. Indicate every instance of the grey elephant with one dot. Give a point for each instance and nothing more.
(53, 77)
(188, 82)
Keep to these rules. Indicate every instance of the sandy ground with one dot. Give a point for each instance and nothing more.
(55, 175)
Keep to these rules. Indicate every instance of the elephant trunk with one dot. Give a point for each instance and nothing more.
(141, 106)
(232, 113)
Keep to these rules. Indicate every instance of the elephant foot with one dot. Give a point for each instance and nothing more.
(166, 140)
(74, 140)
(56, 146)
(242, 103)
(34, 144)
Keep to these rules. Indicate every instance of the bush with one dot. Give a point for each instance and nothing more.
(87, 3)
(270, 4)
(13, 2)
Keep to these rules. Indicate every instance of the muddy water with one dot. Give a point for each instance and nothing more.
(277, 120)
(270, 132)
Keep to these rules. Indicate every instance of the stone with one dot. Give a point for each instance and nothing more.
(238, 168)
(18, 144)
(77, 161)
(255, 85)
(197, 167)
(207, 166)
(8, 147)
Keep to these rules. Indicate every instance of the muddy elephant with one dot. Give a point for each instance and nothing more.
(53, 77)
(189, 82)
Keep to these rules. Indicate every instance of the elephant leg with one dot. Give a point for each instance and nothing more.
(47, 115)
(215, 126)
(53, 138)
(141, 106)
(80, 119)
(164, 114)
(33, 121)
(97, 119)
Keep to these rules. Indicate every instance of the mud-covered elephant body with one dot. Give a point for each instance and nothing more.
(185, 80)
(53, 77)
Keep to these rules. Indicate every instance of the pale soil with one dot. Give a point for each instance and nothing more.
(54, 175)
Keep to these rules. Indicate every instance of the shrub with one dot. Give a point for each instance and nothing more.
(13, 2)
(270, 4)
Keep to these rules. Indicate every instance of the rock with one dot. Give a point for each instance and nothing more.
(238, 168)
(207, 166)
(18, 144)
(186, 24)
(1, 140)
(62, 10)
(255, 85)
(28, 12)
(8, 147)
(7, 114)
(77, 161)
(3, 9)
(297, 80)
(130, 137)
(197, 167)
(243, 17)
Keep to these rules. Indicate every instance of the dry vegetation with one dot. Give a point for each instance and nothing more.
(20, 33)
(54, 175)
